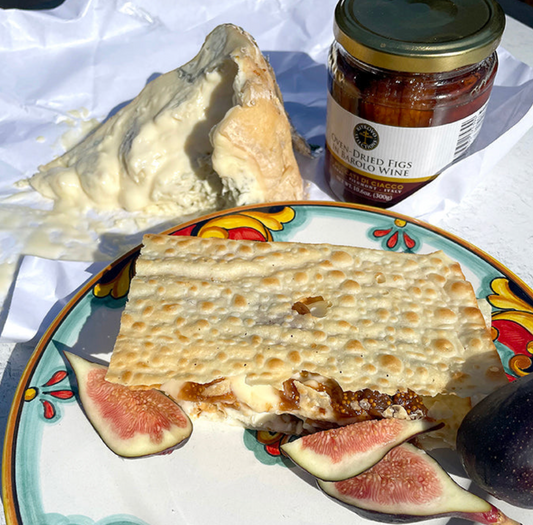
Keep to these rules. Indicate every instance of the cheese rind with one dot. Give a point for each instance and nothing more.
(210, 135)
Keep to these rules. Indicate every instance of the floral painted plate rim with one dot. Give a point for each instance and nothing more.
(510, 298)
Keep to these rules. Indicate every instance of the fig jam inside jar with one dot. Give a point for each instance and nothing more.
(408, 86)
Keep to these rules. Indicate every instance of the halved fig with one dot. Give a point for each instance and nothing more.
(132, 423)
(344, 452)
(408, 485)
(495, 441)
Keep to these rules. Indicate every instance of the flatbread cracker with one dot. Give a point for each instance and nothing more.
(224, 315)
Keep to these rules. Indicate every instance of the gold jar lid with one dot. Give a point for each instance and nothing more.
(419, 36)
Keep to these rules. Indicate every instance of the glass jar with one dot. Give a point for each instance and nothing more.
(408, 85)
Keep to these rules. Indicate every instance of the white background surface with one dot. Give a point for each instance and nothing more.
(497, 217)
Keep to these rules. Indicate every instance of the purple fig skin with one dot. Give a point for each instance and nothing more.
(493, 517)
(485, 518)
(495, 441)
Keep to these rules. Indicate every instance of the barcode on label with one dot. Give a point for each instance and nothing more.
(468, 132)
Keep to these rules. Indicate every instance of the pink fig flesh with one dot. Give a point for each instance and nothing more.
(407, 485)
(344, 452)
(132, 423)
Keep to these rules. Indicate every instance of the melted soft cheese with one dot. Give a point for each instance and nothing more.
(260, 398)
(146, 168)
(259, 405)
(156, 151)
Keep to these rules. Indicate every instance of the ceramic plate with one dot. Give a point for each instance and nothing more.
(57, 471)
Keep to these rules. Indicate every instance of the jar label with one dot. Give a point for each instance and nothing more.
(391, 153)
